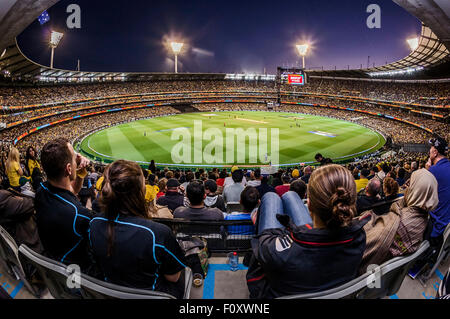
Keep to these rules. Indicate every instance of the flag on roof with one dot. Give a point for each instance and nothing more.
(44, 18)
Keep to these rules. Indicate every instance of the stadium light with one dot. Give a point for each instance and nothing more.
(176, 49)
(302, 50)
(413, 43)
(55, 38)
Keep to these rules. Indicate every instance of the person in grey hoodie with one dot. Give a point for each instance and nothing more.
(212, 199)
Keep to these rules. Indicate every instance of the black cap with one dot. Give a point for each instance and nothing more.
(440, 144)
(172, 183)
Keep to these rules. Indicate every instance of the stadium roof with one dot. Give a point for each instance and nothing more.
(431, 59)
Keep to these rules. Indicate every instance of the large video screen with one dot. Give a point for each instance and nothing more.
(292, 76)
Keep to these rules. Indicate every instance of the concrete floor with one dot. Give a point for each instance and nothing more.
(222, 283)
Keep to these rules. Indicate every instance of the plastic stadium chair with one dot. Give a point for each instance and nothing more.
(443, 254)
(9, 257)
(392, 273)
(233, 207)
(389, 276)
(54, 274)
(92, 288)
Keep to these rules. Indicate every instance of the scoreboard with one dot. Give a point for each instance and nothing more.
(292, 76)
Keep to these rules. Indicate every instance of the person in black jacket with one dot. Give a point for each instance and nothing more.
(173, 198)
(322, 160)
(63, 222)
(212, 199)
(306, 258)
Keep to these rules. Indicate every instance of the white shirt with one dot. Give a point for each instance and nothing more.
(229, 181)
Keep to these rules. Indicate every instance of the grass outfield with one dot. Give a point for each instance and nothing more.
(149, 139)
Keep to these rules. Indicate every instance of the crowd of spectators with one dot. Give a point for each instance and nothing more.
(387, 205)
(383, 206)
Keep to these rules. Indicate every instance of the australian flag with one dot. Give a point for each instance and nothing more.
(44, 18)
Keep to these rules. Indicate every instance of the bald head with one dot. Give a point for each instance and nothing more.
(374, 187)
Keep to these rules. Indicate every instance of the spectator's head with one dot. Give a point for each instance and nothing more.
(31, 153)
(145, 172)
(356, 173)
(392, 174)
(173, 185)
(223, 174)
(332, 197)
(59, 160)
(237, 176)
(123, 192)
(308, 170)
(286, 179)
(13, 157)
(422, 191)
(390, 187)
(210, 187)
(190, 176)
(373, 188)
(162, 184)
(318, 157)
(212, 175)
(196, 193)
(299, 187)
(152, 179)
(438, 150)
(257, 173)
(249, 199)
(295, 173)
(386, 168)
(365, 173)
(169, 175)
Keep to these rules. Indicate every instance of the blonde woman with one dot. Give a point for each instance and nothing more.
(13, 169)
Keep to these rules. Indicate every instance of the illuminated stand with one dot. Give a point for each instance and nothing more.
(176, 48)
(54, 41)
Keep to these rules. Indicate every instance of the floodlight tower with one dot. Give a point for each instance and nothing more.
(54, 41)
(302, 50)
(413, 43)
(176, 48)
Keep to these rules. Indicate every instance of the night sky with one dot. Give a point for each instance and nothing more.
(231, 36)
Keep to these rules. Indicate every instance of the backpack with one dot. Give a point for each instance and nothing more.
(196, 253)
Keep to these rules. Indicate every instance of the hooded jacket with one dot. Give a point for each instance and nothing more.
(215, 201)
(303, 259)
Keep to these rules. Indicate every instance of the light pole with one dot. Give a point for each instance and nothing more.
(176, 48)
(302, 50)
(54, 41)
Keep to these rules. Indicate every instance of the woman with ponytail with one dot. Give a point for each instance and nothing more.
(301, 250)
(131, 249)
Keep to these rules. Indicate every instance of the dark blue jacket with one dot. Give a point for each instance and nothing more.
(304, 260)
